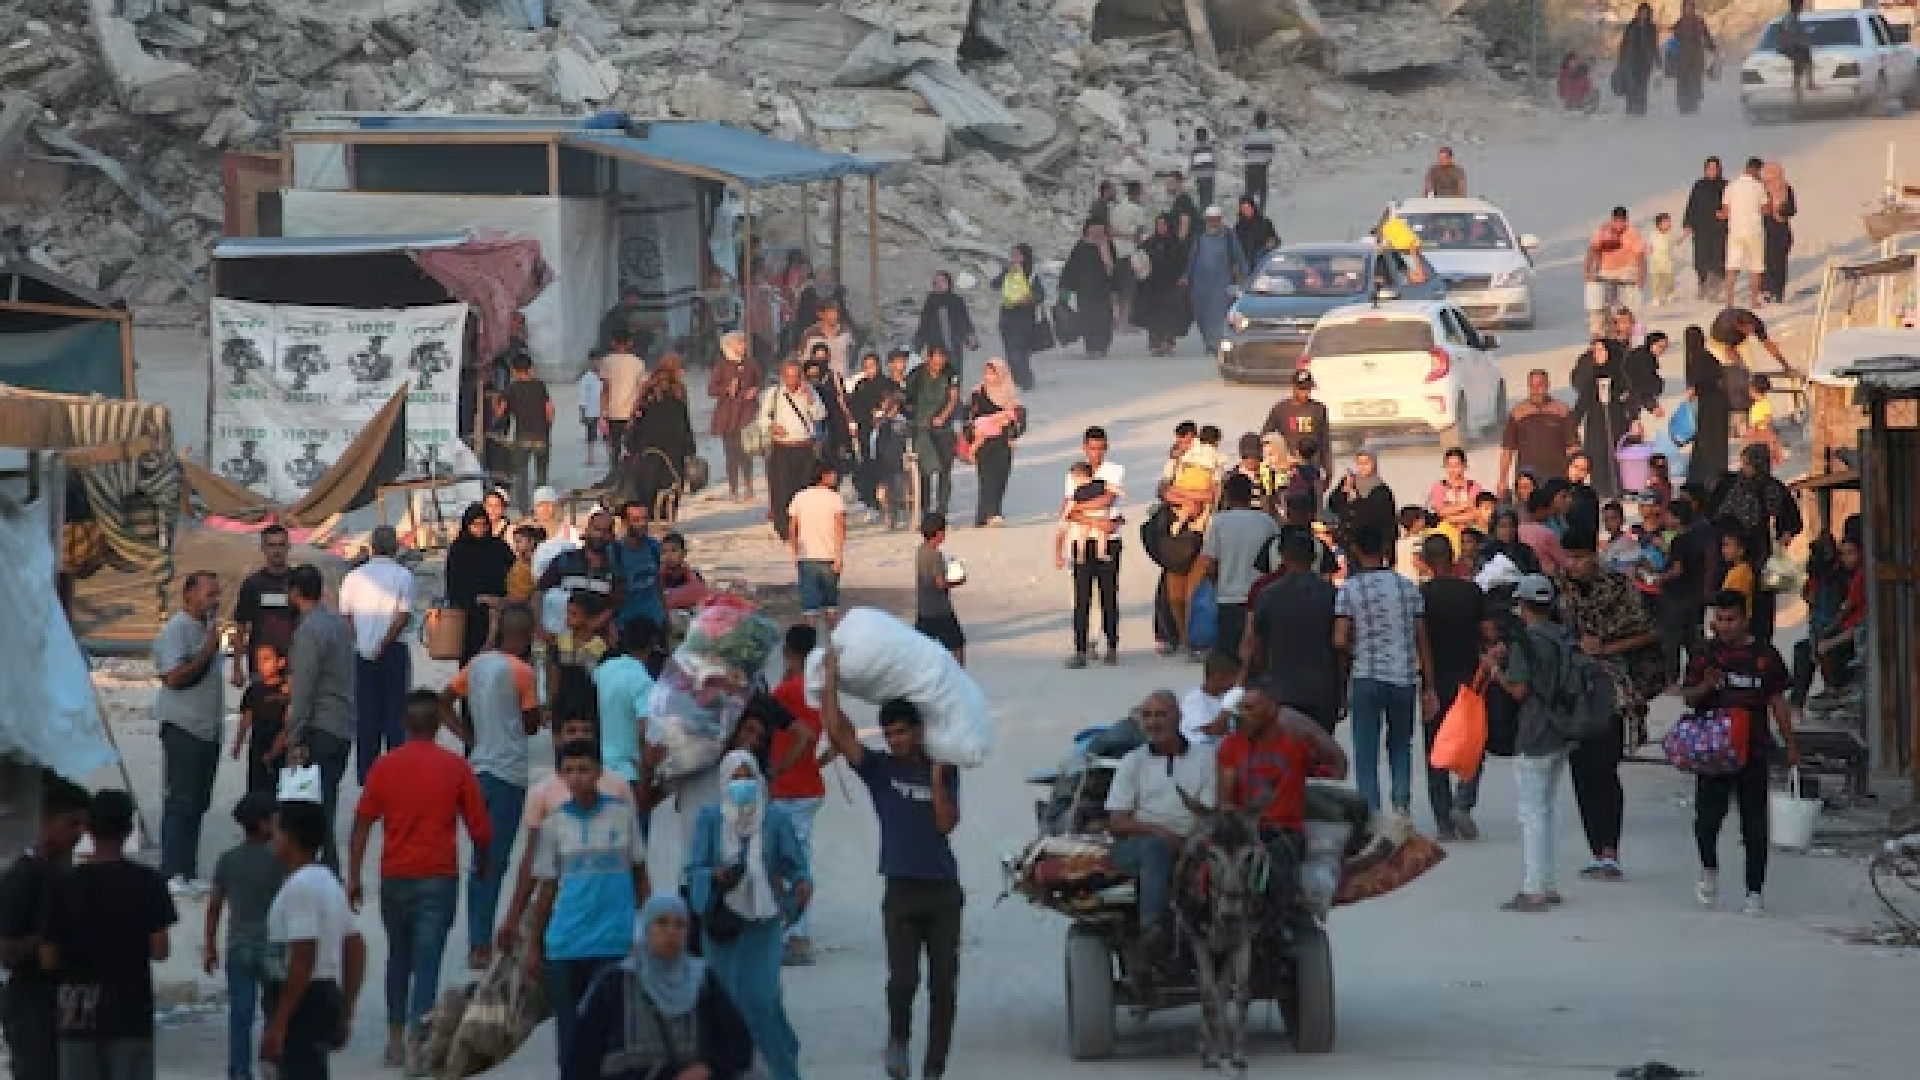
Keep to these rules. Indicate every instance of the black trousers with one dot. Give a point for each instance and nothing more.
(789, 471)
(1595, 767)
(923, 917)
(994, 460)
(1230, 622)
(28, 1019)
(1256, 185)
(1764, 605)
(1712, 795)
(936, 472)
(1203, 187)
(1090, 573)
(311, 1030)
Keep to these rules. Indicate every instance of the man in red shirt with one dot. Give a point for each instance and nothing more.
(794, 779)
(1264, 767)
(418, 792)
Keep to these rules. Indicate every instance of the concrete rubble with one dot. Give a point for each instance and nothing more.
(1004, 112)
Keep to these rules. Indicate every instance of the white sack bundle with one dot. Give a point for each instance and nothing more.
(882, 658)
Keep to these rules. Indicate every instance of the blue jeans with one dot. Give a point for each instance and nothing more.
(819, 585)
(1446, 792)
(1150, 860)
(246, 977)
(1372, 705)
(188, 766)
(802, 813)
(380, 703)
(504, 803)
(417, 914)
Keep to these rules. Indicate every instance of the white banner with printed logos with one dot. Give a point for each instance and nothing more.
(294, 386)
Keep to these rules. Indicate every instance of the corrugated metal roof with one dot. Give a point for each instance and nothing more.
(274, 247)
(747, 158)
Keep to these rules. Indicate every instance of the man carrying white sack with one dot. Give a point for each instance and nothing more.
(917, 802)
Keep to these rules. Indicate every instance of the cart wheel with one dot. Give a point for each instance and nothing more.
(1310, 1017)
(1089, 994)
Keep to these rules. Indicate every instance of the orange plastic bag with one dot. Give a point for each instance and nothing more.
(1461, 742)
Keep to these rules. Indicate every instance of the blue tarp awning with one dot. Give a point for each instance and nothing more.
(718, 152)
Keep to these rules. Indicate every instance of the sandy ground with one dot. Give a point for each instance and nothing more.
(1434, 982)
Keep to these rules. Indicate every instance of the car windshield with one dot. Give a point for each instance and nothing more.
(1309, 273)
(1821, 33)
(1372, 336)
(1461, 232)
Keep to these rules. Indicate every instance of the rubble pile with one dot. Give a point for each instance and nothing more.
(1003, 114)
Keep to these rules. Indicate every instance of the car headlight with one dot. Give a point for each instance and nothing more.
(1507, 279)
(1236, 321)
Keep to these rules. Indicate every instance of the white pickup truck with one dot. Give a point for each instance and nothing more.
(1859, 62)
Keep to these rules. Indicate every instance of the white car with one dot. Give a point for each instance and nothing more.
(1408, 366)
(1488, 270)
(1859, 62)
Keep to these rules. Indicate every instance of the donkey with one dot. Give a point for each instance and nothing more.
(1220, 886)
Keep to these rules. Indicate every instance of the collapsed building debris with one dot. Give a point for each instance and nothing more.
(1005, 112)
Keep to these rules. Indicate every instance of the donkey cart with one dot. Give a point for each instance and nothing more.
(1108, 969)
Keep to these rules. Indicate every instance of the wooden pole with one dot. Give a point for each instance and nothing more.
(213, 361)
(873, 254)
(1202, 33)
(747, 260)
(839, 236)
(553, 168)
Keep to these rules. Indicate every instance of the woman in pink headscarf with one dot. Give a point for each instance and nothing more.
(1778, 221)
(995, 418)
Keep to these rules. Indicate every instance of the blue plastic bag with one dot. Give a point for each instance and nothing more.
(1203, 619)
(1684, 424)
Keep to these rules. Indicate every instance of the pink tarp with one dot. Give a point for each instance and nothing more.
(498, 273)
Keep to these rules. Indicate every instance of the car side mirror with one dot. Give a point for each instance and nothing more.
(1529, 243)
(1489, 341)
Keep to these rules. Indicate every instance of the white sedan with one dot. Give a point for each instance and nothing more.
(1488, 269)
(1408, 366)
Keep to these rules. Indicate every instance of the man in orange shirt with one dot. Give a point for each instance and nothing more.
(1616, 266)
(794, 779)
(1264, 765)
(420, 792)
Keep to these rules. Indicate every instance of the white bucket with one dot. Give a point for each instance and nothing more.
(1790, 818)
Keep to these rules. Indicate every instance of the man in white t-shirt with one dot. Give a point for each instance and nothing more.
(1096, 564)
(817, 533)
(1147, 805)
(311, 932)
(623, 374)
(376, 599)
(1204, 709)
(592, 389)
(1744, 205)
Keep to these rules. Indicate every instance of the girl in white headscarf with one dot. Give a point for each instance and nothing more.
(659, 1014)
(747, 876)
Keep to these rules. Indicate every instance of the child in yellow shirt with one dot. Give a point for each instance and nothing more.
(1760, 421)
(1194, 481)
(520, 577)
(1740, 577)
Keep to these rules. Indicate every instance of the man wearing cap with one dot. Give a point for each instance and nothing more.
(1300, 417)
(377, 601)
(1214, 272)
(1526, 668)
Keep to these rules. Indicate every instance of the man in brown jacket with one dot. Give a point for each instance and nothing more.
(1540, 435)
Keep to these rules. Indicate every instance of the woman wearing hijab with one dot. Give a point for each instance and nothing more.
(1642, 367)
(836, 442)
(864, 396)
(660, 1015)
(747, 874)
(1639, 55)
(1707, 386)
(1703, 222)
(499, 519)
(659, 443)
(1362, 498)
(1021, 301)
(995, 418)
(1603, 409)
(1778, 222)
(1088, 278)
(1504, 539)
(1160, 305)
(1693, 42)
(1768, 517)
(734, 387)
(944, 321)
(1254, 231)
(477, 565)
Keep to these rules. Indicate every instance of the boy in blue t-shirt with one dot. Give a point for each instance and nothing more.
(591, 869)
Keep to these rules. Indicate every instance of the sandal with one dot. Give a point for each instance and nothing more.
(1530, 904)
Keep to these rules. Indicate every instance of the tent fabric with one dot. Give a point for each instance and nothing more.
(280, 247)
(376, 456)
(135, 497)
(497, 272)
(1890, 354)
(82, 357)
(746, 158)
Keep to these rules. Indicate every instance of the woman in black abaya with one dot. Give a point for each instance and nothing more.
(1707, 386)
(1702, 221)
(1603, 410)
(1088, 279)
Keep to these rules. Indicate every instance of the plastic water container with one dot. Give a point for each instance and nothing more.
(1790, 817)
(1631, 461)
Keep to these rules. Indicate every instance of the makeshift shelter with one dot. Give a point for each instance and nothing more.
(1859, 313)
(59, 336)
(613, 202)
